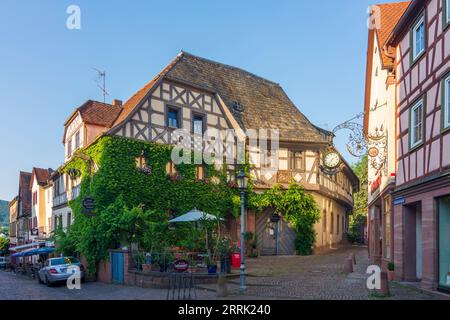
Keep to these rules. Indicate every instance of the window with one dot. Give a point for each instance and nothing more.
(416, 124)
(69, 218)
(141, 162)
(77, 140)
(170, 168)
(172, 118)
(297, 162)
(267, 158)
(337, 224)
(332, 223)
(198, 124)
(387, 227)
(446, 102)
(418, 38)
(446, 13)
(35, 198)
(69, 148)
(200, 172)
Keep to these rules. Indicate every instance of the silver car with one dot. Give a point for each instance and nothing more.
(59, 269)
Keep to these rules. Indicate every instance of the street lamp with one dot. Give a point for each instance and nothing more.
(242, 180)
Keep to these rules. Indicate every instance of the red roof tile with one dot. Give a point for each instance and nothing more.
(390, 15)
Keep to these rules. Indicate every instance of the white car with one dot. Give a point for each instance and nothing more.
(58, 269)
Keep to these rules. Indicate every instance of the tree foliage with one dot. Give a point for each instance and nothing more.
(132, 206)
(361, 201)
(297, 207)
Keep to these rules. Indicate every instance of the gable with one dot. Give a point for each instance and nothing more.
(72, 127)
(149, 119)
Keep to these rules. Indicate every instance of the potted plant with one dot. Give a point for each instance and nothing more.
(391, 272)
(225, 247)
(147, 266)
(212, 265)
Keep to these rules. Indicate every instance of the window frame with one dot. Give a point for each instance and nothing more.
(199, 115)
(77, 140)
(292, 162)
(169, 109)
(445, 14)
(445, 102)
(414, 106)
(69, 148)
(419, 20)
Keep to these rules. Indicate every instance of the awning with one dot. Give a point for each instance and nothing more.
(33, 252)
(25, 246)
(194, 215)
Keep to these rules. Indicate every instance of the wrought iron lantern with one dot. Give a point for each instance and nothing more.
(242, 180)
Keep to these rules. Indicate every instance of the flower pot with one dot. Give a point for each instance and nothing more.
(212, 269)
(391, 275)
(225, 265)
(146, 267)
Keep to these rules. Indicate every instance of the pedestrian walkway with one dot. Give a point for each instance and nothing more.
(317, 277)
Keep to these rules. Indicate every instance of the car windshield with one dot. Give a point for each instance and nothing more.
(64, 260)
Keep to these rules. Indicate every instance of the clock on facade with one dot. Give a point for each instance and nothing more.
(331, 159)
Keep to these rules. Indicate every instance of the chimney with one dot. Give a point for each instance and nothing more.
(117, 102)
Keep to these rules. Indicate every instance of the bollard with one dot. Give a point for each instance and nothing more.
(384, 284)
(353, 257)
(222, 290)
(348, 267)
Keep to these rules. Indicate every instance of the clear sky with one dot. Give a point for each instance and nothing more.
(315, 49)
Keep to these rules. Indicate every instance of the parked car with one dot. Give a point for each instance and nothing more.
(58, 269)
(3, 262)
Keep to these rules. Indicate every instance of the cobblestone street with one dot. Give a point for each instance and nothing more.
(318, 276)
(314, 277)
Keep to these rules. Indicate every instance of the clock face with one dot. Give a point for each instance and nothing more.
(331, 159)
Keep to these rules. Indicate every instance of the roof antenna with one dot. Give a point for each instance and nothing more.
(101, 83)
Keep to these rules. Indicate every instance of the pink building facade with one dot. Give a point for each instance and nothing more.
(421, 197)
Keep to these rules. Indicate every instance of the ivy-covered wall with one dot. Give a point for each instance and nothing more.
(117, 185)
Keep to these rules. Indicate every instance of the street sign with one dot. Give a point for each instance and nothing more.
(88, 203)
(399, 201)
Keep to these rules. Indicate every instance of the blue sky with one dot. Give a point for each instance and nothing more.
(315, 49)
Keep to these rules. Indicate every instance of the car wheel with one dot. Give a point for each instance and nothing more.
(48, 283)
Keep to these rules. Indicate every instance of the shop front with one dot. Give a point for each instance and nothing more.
(444, 243)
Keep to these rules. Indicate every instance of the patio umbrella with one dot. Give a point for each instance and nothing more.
(193, 216)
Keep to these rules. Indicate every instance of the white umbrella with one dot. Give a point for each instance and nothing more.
(193, 216)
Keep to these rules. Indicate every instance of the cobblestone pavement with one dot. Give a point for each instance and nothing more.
(19, 287)
(318, 277)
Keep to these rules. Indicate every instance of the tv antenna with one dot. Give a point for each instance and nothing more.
(101, 83)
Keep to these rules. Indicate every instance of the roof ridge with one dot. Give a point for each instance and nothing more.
(229, 67)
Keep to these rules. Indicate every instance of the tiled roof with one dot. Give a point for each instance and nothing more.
(264, 103)
(25, 192)
(42, 176)
(129, 106)
(99, 113)
(390, 15)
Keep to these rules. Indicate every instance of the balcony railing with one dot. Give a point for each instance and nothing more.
(60, 199)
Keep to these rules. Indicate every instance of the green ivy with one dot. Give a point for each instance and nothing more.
(128, 201)
(298, 208)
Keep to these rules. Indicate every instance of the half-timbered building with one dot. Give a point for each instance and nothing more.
(379, 123)
(422, 187)
(197, 94)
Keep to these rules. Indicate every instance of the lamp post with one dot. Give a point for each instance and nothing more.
(242, 184)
